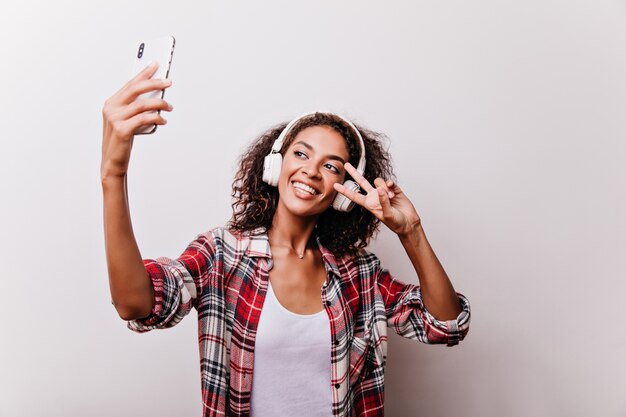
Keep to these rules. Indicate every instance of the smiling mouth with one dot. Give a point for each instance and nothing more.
(304, 188)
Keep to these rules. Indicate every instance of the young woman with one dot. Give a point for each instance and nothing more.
(292, 310)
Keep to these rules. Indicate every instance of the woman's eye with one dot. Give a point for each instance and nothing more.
(299, 154)
(333, 168)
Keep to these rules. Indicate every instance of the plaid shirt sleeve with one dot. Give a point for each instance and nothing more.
(408, 316)
(177, 284)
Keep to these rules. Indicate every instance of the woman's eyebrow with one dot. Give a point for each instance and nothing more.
(309, 147)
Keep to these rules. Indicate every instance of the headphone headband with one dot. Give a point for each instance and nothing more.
(278, 143)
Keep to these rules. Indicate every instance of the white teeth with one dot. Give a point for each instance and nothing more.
(304, 187)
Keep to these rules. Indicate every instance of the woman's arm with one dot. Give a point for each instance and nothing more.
(438, 294)
(123, 113)
(389, 204)
(131, 289)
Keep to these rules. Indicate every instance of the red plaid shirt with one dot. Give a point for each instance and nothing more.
(225, 277)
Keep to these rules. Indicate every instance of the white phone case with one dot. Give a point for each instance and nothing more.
(160, 50)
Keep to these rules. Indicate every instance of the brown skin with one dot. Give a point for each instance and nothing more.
(297, 282)
(131, 290)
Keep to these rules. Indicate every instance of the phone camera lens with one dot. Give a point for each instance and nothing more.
(140, 52)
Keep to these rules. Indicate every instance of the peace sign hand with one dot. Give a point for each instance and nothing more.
(386, 202)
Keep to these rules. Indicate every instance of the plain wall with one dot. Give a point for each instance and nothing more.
(506, 124)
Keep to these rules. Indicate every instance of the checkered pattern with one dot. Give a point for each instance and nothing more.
(225, 277)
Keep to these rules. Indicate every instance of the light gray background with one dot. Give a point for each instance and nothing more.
(506, 124)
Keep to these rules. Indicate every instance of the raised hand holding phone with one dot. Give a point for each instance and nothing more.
(161, 51)
(123, 114)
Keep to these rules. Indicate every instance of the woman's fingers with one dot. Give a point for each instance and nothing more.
(140, 87)
(124, 113)
(144, 74)
(363, 183)
(124, 105)
(394, 187)
(129, 127)
(352, 195)
(143, 105)
(385, 204)
(380, 183)
(139, 84)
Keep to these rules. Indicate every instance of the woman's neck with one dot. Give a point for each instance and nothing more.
(291, 231)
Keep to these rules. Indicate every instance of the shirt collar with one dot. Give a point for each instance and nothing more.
(259, 246)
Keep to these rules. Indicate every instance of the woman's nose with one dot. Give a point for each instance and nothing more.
(311, 170)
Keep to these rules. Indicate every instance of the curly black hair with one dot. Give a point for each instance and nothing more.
(254, 201)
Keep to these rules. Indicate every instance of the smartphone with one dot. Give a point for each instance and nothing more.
(160, 50)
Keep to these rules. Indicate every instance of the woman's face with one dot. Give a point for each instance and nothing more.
(311, 165)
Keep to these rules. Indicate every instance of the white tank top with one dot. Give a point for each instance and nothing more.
(291, 374)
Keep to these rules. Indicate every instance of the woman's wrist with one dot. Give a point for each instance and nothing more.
(108, 179)
(110, 173)
(413, 228)
(413, 235)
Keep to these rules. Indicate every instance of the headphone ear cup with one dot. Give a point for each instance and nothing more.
(271, 168)
(343, 203)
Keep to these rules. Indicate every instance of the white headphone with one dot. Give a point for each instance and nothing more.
(273, 162)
